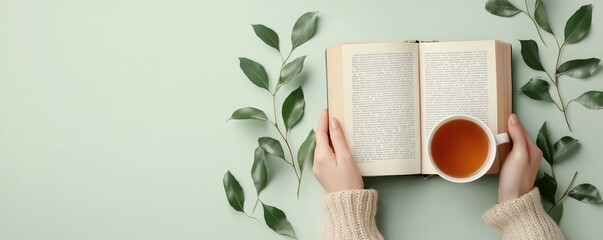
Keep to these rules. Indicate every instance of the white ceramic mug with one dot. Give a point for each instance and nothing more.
(449, 152)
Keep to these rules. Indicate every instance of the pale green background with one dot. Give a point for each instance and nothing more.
(113, 117)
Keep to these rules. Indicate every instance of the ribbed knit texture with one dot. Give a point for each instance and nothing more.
(350, 215)
(523, 219)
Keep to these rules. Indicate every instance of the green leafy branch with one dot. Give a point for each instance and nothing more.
(275, 218)
(576, 29)
(292, 111)
(293, 106)
(554, 154)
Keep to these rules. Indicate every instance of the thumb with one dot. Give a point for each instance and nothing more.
(518, 135)
(340, 146)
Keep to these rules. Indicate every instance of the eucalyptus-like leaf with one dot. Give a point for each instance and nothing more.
(255, 72)
(304, 29)
(258, 170)
(547, 186)
(537, 89)
(542, 141)
(290, 70)
(267, 35)
(530, 54)
(306, 151)
(277, 221)
(501, 8)
(564, 147)
(586, 193)
(272, 146)
(249, 113)
(591, 100)
(578, 25)
(579, 68)
(541, 18)
(293, 108)
(234, 192)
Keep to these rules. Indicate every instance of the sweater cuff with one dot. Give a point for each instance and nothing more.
(350, 214)
(522, 218)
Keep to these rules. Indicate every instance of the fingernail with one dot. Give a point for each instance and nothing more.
(334, 123)
(513, 119)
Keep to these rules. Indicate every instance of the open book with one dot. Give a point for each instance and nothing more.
(388, 96)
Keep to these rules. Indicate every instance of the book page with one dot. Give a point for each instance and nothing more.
(457, 78)
(381, 112)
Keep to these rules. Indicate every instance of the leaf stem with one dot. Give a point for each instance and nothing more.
(558, 59)
(256, 204)
(252, 217)
(297, 175)
(285, 135)
(557, 83)
(565, 194)
(281, 71)
(527, 12)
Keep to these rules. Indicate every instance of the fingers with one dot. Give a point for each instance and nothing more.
(340, 146)
(322, 132)
(535, 155)
(517, 135)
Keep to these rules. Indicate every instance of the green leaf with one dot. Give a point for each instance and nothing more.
(290, 70)
(591, 100)
(249, 113)
(306, 151)
(234, 192)
(304, 29)
(547, 186)
(578, 25)
(586, 193)
(277, 221)
(542, 141)
(538, 89)
(564, 147)
(267, 35)
(258, 170)
(501, 8)
(530, 55)
(271, 146)
(255, 72)
(293, 108)
(541, 18)
(557, 212)
(579, 68)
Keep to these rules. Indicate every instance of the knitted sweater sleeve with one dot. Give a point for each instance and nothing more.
(350, 215)
(523, 218)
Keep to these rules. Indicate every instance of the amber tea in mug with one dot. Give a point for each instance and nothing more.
(462, 148)
(459, 148)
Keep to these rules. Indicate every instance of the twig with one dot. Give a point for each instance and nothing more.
(565, 194)
(275, 123)
(527, 12)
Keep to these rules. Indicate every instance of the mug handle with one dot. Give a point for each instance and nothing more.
(501, 138)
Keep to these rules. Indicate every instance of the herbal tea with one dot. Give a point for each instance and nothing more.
(459, 148)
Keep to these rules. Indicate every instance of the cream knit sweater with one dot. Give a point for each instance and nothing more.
(351, 215)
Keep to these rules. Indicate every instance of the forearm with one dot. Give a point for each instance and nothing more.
(523, 219)
(350, 215)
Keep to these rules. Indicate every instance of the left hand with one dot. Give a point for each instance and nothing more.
(334, 167)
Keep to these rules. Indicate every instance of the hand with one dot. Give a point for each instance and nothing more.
(334, 167)
(521, 166)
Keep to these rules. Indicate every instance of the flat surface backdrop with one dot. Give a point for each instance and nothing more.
(113, 117)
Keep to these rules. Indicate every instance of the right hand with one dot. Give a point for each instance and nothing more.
(521, 166)
(334, 166)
